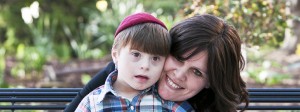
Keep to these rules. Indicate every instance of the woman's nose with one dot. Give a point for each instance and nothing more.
(180, 73)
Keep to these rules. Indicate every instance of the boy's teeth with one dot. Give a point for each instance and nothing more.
(172, 84)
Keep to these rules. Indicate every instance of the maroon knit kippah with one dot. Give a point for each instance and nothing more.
(137, 18)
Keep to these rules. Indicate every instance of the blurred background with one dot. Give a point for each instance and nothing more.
(63, 43)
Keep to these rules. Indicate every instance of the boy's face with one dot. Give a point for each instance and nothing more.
(137, 70)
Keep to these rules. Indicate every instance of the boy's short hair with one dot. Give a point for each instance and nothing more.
(149, 37)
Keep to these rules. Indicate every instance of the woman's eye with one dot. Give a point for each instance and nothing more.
(198, 73)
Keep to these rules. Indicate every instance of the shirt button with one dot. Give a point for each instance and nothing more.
(131, 107)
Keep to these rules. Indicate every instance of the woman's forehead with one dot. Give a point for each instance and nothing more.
(198, 54)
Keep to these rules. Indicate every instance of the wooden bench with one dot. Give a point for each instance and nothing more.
(58, 98)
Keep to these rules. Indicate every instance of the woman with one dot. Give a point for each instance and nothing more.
(203, 68)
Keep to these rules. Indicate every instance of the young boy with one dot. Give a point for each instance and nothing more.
(140, 48)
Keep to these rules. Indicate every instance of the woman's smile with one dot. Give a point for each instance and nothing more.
(172, 84)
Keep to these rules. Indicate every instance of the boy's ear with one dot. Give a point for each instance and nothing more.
(114, 55)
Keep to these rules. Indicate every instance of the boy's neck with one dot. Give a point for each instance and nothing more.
(125, 90)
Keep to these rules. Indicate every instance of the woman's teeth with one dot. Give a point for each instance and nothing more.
(172, 83)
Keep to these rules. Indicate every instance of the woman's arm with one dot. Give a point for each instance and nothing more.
(96, 81)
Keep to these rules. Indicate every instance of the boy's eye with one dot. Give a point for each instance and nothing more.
(156, 58)
(136, 54)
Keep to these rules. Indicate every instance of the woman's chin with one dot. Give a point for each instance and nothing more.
(164, 91)
(164, 94)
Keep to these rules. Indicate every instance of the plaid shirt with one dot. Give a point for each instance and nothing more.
(105, 99)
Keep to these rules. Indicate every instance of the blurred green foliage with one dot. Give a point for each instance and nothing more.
(259, 22)
(85, 78)
(2, 66)
(263, 70)
(66, 30)
(84, 29)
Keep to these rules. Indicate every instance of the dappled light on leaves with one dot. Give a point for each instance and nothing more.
(101, 5)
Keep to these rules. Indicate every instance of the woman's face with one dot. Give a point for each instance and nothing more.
(182, 80)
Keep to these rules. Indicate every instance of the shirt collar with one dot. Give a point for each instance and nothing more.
(108, 86)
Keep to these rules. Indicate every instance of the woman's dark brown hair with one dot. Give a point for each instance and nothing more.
(225, 62)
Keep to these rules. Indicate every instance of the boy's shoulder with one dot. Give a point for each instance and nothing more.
(98, 94)
(183, 106)
(98, 90)
(173, 106)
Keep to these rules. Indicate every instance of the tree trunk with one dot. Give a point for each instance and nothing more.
(292, 33)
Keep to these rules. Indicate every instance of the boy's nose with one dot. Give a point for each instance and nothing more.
(145, 64)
